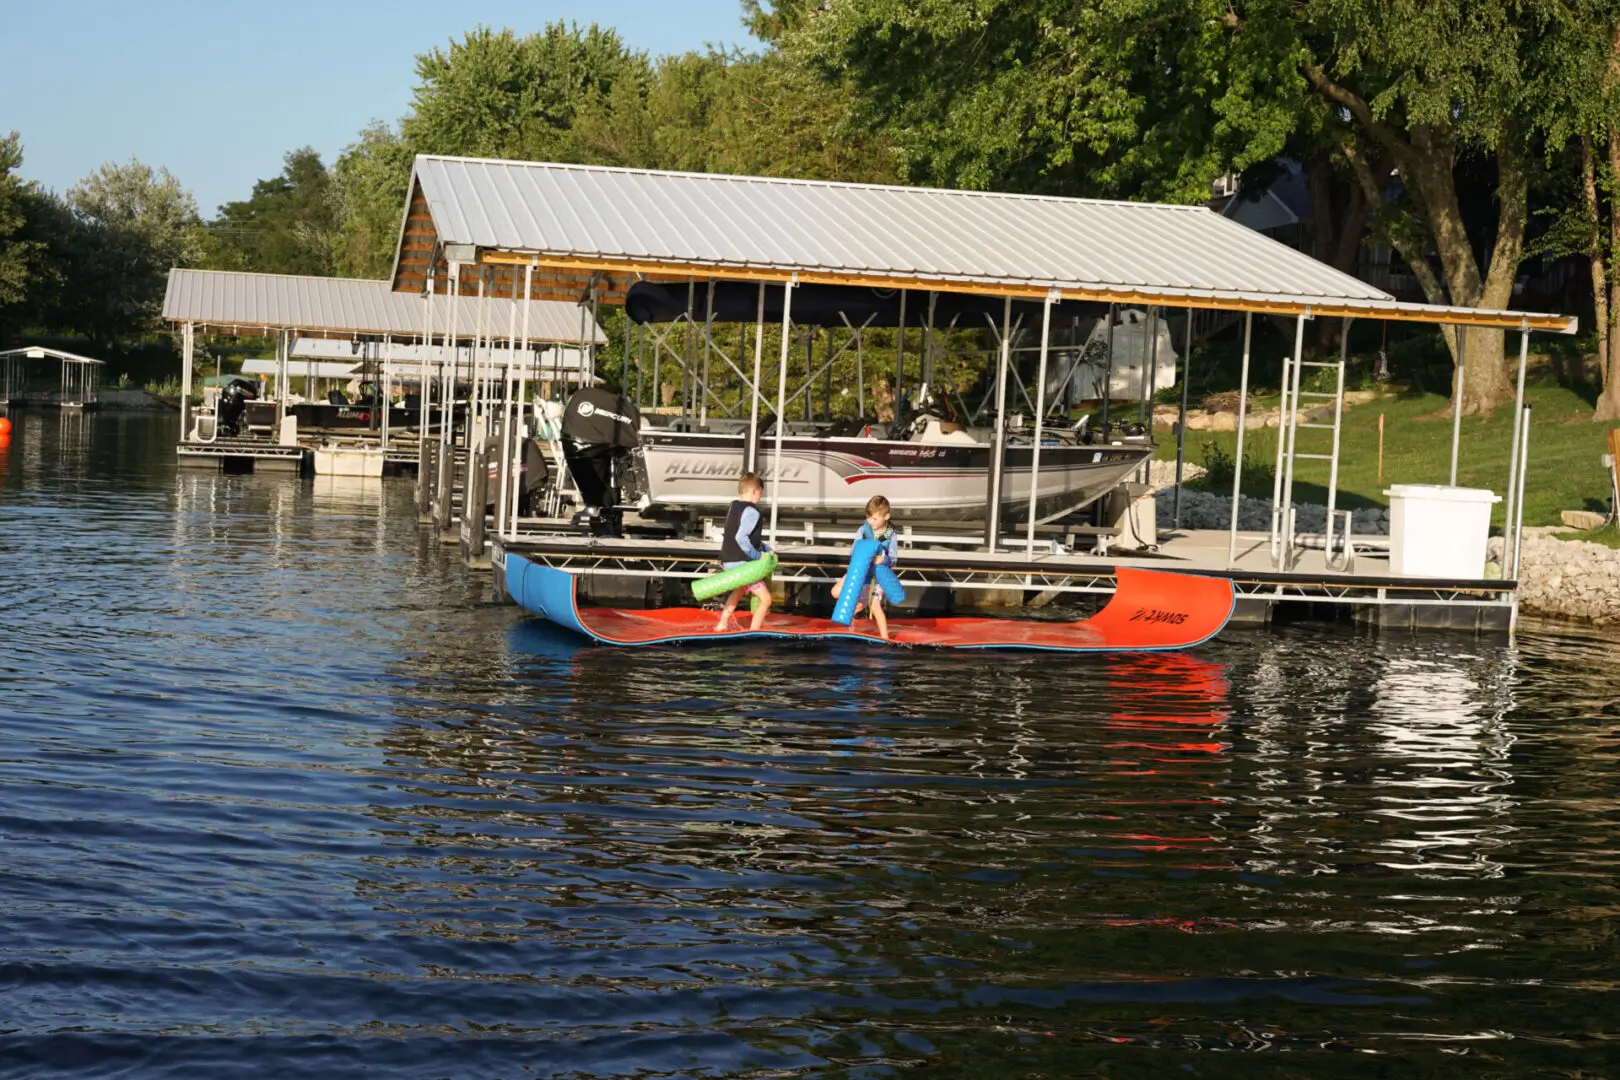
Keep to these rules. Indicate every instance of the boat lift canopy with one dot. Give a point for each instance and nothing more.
(81, 375)
(538, 229)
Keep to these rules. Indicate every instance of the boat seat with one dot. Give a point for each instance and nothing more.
(947, 433)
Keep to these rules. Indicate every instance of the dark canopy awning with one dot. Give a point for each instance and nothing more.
(822, 305)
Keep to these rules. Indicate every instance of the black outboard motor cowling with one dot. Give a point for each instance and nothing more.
(233, 399)
(600, 444)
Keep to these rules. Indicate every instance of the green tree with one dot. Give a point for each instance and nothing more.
(1585, 134)
(19, 253)
(731, 112)
(133, 224)
(289, 224)
(369, 181)
(494, 94)
(1152, 98)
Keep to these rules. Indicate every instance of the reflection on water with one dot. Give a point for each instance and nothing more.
(282, 792)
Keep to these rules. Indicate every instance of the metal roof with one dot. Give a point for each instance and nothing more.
(645, 221)
(40, 352)
(230, 301)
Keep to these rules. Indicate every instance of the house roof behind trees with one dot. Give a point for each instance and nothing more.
(576, 224)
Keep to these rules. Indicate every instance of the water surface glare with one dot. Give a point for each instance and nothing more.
(282, 794)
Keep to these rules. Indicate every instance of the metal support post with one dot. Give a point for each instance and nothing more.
(1108, 373)
(424, 395)
(477, 412)
(928, 341)
(1181, 421)
(1513, 455)
(1052, 296)
(1293, 435)
(1333, 458)
(809, 374)
(686, 358)
(283, 390)
(188, 345)
(1457, 400)
(447, 406)
(899, 356)
(998, 445)
(708, 342)
(781, 402)
(860, 368)
(519, 425)
(1518, 504)
(751, 448)
(1237, 462)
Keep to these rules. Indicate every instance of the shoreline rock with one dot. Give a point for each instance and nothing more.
(1566, 579)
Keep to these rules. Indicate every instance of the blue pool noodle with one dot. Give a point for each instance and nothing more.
(860, 564)
(889, 582)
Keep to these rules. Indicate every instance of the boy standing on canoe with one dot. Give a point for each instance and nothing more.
(742, 543)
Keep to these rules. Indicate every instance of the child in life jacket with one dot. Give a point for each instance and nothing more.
(877, 528)
(742, 543)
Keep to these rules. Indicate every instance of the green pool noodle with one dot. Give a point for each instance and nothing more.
(735, 578)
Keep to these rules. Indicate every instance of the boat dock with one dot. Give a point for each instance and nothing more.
(334, 332)
(655, 572)
(962, 368)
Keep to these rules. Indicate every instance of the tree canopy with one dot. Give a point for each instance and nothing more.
(1466, 134)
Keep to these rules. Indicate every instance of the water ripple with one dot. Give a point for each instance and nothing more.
(280, 791)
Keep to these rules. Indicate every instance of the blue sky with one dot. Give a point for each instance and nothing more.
(218, 92)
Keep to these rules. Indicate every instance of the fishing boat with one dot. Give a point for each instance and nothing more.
(926, 466)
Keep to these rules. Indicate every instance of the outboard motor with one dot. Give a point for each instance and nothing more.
(603, 453)
(233, 399)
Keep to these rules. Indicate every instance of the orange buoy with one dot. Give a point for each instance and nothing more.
(5, 427)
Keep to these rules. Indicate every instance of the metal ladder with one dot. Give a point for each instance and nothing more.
(1285, 540)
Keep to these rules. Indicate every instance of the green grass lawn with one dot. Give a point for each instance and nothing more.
(1566, 448)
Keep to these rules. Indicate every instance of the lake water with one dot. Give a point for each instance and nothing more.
(283, 794)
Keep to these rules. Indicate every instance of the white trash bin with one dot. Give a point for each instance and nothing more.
(1437, 531)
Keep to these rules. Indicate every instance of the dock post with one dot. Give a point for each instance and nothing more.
(475, 499)
(1513, 454)
(781, 403)
(424, 395)
(1518, 506)
(998, 445)
(1457, 400)
(1108, 371)
(1181, 420)
(1040, 418)
(428, 464)
(1237, 460)
(447, 410)
(477, 407)
(282, 389)
(751, 451)
(708, 349)
(1284, 512)
(188, 344)
(899, 356)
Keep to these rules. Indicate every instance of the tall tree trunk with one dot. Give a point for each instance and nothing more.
(1485, 369)
(1409, 248)
(1608, 403)
(1426, 155)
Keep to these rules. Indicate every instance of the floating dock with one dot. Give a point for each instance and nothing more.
(655, 572)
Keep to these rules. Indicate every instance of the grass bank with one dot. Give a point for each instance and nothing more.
(1566, 449)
